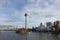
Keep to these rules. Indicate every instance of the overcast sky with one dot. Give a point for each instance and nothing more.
(12, 11)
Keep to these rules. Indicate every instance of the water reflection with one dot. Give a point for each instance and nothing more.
(11, 35)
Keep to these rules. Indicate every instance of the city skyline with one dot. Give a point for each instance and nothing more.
(12, 12)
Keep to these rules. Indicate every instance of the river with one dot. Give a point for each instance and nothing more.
(11, 35)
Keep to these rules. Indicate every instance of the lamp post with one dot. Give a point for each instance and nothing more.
(25, 20)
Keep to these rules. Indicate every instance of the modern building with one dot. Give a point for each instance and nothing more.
(56, 25)
(41, 27)
(48, 24)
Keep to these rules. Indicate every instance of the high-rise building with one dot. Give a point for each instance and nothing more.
(48, 24)
(57, 25)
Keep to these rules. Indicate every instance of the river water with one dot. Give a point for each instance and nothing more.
(11, 35)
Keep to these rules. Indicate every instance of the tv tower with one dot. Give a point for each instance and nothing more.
(25, 20)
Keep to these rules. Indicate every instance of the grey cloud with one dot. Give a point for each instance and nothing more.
(49, 15)
(10, 21)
